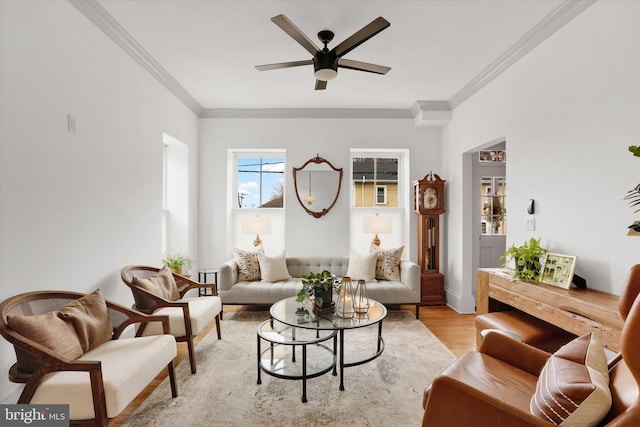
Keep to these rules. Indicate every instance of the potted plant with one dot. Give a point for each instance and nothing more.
(633, 195)
(527, 259)
(318, 287)
(177, 262)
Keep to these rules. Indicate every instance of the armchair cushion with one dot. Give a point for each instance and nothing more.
(90, 319)
(388, 262)
(573, 387)
(162, 285)
(248, 264)
(362, 267)
(50, 331)
(273, 269)
(128, 365)
(201, 312)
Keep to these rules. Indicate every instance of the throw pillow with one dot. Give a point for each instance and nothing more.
(362, 267)
(388, 262)
(50, 331)
(162, 285)
(273, 269)
(573, 387)
(89, 316)
(248, 264)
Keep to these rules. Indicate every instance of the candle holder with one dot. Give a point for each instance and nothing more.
(344, 307)
(361, 299)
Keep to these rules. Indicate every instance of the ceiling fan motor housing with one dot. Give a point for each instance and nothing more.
(325, 65)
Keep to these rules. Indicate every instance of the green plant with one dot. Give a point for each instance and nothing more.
(633, 195)
(324, 280)
(176, 261)
(527, 259)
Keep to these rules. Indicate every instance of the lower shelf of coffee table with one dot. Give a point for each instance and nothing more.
(278, 360)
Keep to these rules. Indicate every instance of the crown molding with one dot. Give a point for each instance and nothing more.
(103, 20)
(431, 113)
(424, 113)
(551, 23)
(305, 113)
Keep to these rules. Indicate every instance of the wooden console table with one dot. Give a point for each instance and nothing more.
(578, 311)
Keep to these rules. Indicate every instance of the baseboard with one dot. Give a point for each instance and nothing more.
(461, 304)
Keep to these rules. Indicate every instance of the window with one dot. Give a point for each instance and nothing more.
(381, 194)
(494, 205)
(380, 185)
(375, 181)
(259, 181)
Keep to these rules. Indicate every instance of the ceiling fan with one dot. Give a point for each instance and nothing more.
(326, 62)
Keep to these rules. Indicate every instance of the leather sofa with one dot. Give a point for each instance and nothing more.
(258, 292)
(494, 386)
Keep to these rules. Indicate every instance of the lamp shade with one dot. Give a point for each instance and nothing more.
(376, 224)
(256, 225)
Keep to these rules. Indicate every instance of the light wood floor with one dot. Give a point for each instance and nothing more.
(456, 331)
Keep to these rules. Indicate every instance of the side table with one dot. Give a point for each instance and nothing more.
(202, 278)
(279, 359)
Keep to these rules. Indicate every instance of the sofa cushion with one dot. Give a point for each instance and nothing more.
(388, 262)
(273, 269)
(128, 366)
(162, 285)
(248, 264)
(573, 387)
(362, 267)
(50, 331)
(90, 319)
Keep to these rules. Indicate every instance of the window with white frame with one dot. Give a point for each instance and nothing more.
(381, 194)
(374, 180)
(259, 180)
(379, 187)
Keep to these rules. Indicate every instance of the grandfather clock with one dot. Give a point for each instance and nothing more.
(428, 204)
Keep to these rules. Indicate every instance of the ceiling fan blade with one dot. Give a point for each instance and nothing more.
(279, 65)
(363, 66)
(361, 36)
(321, 85)
(293, 31)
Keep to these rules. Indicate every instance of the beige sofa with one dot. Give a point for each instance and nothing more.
(260, 292)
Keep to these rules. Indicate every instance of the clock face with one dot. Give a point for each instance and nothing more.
(430, 198)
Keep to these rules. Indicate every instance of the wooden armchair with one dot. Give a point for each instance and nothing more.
(495, 385)
(187, 316)
(52, 377)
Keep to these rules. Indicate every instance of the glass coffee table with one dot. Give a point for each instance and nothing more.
(295, 325)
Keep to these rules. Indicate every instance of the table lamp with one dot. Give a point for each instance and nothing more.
(256, 225)
(376, 225)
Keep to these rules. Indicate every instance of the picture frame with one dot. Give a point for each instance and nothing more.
(558, 270)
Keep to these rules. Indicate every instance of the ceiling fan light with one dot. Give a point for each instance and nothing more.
(326, 74)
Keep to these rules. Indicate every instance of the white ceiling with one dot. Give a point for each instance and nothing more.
(434, 47)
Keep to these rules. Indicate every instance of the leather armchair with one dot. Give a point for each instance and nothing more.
(494, 385)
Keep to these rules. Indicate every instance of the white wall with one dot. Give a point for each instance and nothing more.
(302, 139)
(76, 208)
(568, 111)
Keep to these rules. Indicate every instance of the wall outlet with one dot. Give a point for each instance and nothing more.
(530, 224)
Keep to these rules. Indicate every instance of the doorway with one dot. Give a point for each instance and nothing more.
(490, 203)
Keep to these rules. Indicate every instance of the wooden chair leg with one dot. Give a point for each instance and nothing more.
(172, 379)
(192, 356)
(218, 327)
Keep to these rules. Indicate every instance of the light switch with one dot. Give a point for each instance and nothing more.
(71, 123)
(530, 224)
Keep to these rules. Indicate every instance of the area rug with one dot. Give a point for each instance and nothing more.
(386, 391)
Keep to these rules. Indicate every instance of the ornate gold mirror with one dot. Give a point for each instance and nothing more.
(317, 185)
